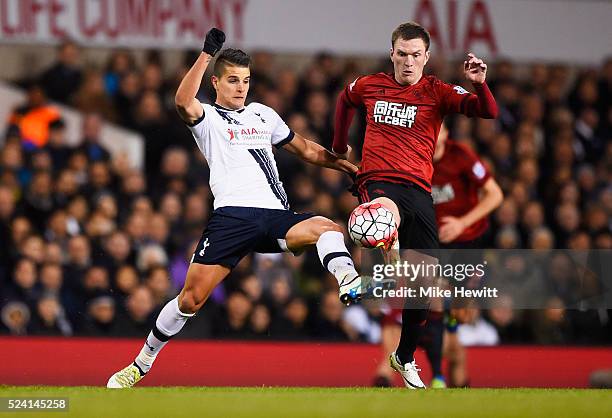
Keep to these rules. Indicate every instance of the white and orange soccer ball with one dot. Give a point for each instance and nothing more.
(372, 225)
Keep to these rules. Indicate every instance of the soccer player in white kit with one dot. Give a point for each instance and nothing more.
(251, 211)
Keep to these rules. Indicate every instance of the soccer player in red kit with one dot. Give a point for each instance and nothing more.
(404, 113)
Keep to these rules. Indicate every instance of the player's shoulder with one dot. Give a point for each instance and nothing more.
(206, 107)
(457, 146)
(375, 78)
(255, 106)
(259, 108)
(433, 81)
(461, 150)
(442, 85)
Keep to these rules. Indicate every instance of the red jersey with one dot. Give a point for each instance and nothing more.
(403, 124)
(457, 177)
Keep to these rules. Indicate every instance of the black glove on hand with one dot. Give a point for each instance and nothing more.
(214, 41)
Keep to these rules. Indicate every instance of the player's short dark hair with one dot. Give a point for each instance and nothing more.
(231, 57)
(410, 30)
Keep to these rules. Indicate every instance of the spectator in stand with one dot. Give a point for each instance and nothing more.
(550, 325)
(150, 121)
(92, 96)
(15, 317)
(78, 260)
(474, 330)
(53, 253)
(100, 320)
(66, 188)
(24, 287)
(329, 324)
(138, 314)
(507, 321)
(126, 280)
(56, 145)
(63, 78)
(120, 63)
(158, 281)
(91, 146)
(259, 322)
(117, 250)
(38, 200)
(7, 210)
(33, 118)
(32, 248)
(51, 279)
(234, 322)
(50, 319)
(292, 325)
(94, 283)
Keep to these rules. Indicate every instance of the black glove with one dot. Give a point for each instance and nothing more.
(214, 41)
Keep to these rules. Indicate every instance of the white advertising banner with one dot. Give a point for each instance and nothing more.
(575, 31)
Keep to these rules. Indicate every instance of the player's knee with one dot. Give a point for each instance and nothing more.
(190, 301)
(391, 206)
(327, 225)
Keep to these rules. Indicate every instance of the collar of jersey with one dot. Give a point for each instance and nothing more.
(392, 77)
(228, 110)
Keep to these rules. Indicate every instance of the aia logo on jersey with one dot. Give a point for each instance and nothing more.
(249, 137)
(442, 194)
(396, 114)
(246, 133)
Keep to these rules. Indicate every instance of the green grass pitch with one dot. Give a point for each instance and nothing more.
(271, 402)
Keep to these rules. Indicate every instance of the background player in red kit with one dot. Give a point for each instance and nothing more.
(404, 113)
(464, 193)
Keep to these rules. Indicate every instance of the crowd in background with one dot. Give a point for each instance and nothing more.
(91, 246)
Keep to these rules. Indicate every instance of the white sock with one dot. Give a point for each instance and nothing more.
(334, 256)
(169, 322)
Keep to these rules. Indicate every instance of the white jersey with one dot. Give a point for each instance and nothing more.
(238, 147)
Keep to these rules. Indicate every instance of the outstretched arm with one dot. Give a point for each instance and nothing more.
(187, 106)
(314, 153)
(483, 103)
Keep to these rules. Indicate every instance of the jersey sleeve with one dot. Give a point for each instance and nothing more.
(354, 91)
(473, 167)
(199, 127)
(281, 134)
(452, 98)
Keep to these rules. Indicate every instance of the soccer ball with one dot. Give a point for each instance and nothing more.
(371, 225)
